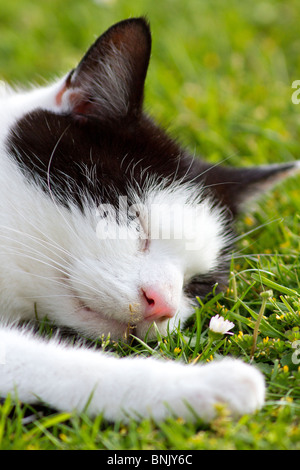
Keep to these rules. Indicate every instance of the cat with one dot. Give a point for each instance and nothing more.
(107, 226)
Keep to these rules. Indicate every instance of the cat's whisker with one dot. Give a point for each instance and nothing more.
(237, 238)
(30, 248)
(51, 242)
(56, 268)
(198, 176)
(43, 242)
(35, 275)
(181, 180)
(255, 256)
(49, 180)
(129, 164)
(123, 159)
(57, 282)
(215, 165)
(39, 260)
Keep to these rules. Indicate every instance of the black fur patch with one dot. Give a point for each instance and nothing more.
(70, 157)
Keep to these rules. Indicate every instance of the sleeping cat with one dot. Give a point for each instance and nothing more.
(107, 226)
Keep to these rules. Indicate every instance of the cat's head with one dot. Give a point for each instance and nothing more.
(138, 226)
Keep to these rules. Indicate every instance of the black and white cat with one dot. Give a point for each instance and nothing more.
(107, 225)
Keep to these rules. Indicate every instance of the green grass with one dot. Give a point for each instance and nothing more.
(220, 79)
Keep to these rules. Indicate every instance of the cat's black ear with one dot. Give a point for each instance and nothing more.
(109, 81)
(233, 187)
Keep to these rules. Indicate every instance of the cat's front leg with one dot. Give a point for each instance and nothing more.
(69, 378)
(157, 388)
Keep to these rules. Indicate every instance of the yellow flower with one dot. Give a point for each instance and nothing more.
(286, 244)
(177, 350)
(180, 420)
(249, 221)
(210, 358)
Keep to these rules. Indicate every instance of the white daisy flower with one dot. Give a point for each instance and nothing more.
(219, 325)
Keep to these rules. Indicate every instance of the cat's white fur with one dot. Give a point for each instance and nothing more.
(59, 253)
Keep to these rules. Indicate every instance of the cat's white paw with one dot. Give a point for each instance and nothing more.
(239, 386)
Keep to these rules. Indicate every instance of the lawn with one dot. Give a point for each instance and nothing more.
(220, 79)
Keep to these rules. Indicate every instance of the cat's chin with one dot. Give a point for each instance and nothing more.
(96, 324)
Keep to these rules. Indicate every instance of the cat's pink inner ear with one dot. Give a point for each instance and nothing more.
(70, 99)
(59, 96)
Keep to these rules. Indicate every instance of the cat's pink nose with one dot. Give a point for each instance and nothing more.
(157, 307)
